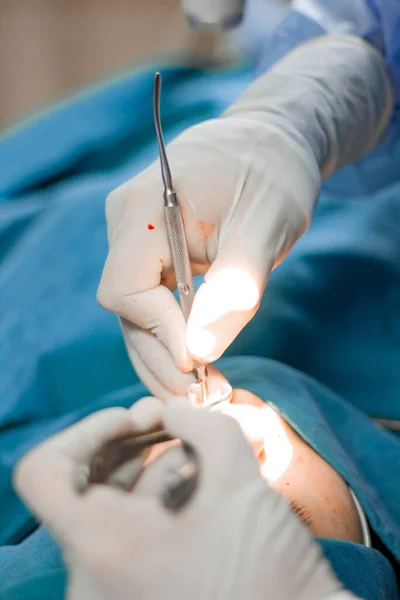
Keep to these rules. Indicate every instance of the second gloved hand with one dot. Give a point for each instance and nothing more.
(247, 184)
(236, 539)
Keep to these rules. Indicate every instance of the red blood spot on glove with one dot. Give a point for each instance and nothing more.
(206, 228)
(150, 227)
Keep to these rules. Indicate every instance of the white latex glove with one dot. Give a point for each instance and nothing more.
(236, 539)
(247, 183)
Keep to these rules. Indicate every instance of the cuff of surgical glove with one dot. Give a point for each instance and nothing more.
(383, 83)
(332, 96)
(286, 158)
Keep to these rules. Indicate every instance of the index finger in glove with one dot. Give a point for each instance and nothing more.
(44, 478)
(154, 363)
(155, 310)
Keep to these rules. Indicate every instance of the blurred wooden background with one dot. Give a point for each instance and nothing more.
(49, 48)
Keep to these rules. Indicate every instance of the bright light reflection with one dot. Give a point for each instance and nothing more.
(229, 290)
(200, 341)
(278, 449)
(237, 290)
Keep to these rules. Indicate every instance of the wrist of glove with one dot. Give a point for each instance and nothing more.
(332, 96)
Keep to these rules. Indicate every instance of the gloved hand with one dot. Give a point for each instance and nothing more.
(247, 183)
(236, 539)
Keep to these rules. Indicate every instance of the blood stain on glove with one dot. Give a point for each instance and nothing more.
(150, 227)
(206, 228)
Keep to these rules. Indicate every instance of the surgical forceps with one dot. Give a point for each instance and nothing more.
(178, 489)
(176, 234)
(180, 486)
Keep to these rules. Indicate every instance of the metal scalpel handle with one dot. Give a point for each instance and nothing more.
(183, 274)
(180, 258)
(173, 216)
(176, 233)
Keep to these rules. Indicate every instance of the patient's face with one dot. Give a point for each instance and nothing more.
(311, 486)
(306, 480)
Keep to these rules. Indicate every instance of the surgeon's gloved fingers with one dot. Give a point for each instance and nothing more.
(146, 414)
(139, 257)
(115, 205)
(45, 476)
(226, 301)
(221, 308)
(156, 368)
(154, 364)
(157, 311)
(152, 383)
(156, 474)
(255, 237)
(226, 459)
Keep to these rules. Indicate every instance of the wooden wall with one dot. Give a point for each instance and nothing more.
(48, 48)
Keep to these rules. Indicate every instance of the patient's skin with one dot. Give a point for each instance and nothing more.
(308, 481)
(288, 463)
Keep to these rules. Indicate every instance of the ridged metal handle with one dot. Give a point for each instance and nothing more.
(183, 271)
(180, 258)
(176, 233)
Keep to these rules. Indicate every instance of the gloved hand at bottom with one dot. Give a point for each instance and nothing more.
(236, 539)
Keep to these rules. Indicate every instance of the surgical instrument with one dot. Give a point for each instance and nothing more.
(176, 234)
(178, 488)
(121, 450)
